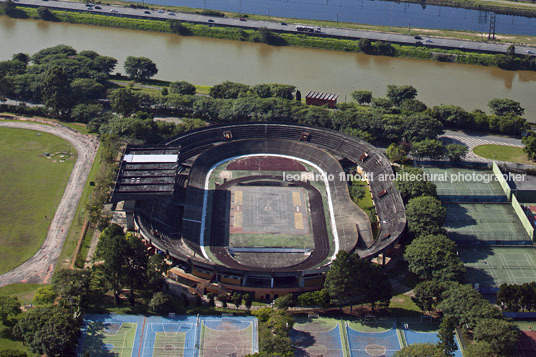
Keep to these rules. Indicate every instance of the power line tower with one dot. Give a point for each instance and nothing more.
(491, 31)
(482, 17)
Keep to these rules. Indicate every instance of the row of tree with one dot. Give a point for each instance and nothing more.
(514, 297)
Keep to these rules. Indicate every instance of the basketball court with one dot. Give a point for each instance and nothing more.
(170, 336)
(423, 332)
(227, 336)
(493, 223)
(493, 266)
(314, 336)
(368, 343)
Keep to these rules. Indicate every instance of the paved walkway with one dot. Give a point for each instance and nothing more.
(473, 141)
(39, 268)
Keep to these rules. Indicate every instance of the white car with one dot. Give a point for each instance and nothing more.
(161, 11)
(113, 10)
(529, 52)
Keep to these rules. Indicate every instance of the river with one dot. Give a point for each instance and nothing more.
(209, 61)
(383, 13)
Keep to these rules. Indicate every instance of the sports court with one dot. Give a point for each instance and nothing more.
(526, 344)
(170, 336)
(465, 185)
(368, 343)
(490, 223)
(156, 336)
(423, 332)
(105, 335)
(315, 336)
(228, 336)
(493, 266)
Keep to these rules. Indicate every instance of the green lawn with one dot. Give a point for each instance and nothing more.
(31, 186)
(502, 153)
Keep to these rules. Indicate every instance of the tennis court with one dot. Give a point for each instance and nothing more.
(106, 335)
(418, 332)
(493, 223)
(493, 266)
(227, 335)
(465, 185)
(527, 344)
(366, 344)
(317, 337)
(170, 336)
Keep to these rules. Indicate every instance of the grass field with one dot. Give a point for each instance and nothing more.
(502, 153)
(31, 186)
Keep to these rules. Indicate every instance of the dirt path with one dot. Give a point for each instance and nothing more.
(39, 268)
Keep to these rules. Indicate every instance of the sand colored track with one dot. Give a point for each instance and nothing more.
(39, 268)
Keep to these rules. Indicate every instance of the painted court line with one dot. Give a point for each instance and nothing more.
(141, 337)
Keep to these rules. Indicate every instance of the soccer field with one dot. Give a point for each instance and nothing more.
(31, 186)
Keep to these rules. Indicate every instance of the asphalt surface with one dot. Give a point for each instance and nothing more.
(277, 26)
(39, 268)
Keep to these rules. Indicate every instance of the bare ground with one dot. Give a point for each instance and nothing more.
(39, 268)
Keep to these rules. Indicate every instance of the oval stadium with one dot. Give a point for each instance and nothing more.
(260, 208)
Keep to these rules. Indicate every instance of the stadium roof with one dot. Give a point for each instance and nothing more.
(146, 172)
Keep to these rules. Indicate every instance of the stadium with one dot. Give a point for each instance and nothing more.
(260, 208)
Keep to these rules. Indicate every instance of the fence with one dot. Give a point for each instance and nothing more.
(523, 217)
(502, 181)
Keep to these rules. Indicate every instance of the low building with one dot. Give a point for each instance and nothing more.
(320, 98)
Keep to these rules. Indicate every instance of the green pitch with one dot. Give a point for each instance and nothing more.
(117, 341)
(169, 344)
(31, 186)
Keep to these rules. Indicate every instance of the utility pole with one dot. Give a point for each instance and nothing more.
(491, 32)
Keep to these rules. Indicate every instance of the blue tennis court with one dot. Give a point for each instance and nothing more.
(105, 335)
(413, 337)
(366, 344)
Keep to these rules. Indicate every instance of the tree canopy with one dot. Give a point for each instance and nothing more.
(412, 182)
(140, 67)
(425, 215)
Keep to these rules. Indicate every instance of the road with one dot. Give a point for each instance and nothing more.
(279, 27)
(39, 268)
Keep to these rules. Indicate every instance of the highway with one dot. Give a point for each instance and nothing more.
(160, 14)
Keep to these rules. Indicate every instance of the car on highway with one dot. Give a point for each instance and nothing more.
(419, 43)
(529, 52)
(284, 24)
(146, 12)
(417, 37)
(113, 10)
(161, 11)
(243, 19)
(210, 20)
(171, 13)
(98, 7)
(429, 41)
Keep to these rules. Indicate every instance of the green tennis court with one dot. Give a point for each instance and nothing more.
(455, 181)
(493, 223)
(493, 266)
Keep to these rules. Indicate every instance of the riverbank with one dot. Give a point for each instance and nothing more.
(281, 39)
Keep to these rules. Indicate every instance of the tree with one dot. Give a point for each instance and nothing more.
(124, 101)
(161, 303)
(8, 306)
(284, 302)
(530, 145)
(136, 265)
(427, 294)
(236, 298)
(371, 283)
(429, 148)
(412, 182)
(501, 335)
(451, 115)
(178, 27)
(420, 126)
(338, 278)
(456, 152)
(57, 94)
(72, 286)
(140, 68)
(502, 107)
(8, 8)
(298, 96)
(84, 113)
(420, 350)
(49, 330)
(410, 106)
(447, 343)
(87, 90)
(362, 96)
(365, 45)
(45, 295)
(478, 349)
(397, 94)
(434, 257)
(45, 14)
(384, 48)
(228, 90)
(249, 300)
(396, 153)
(112, 249)
(425, 215)
(157, 268)
(182, 87)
